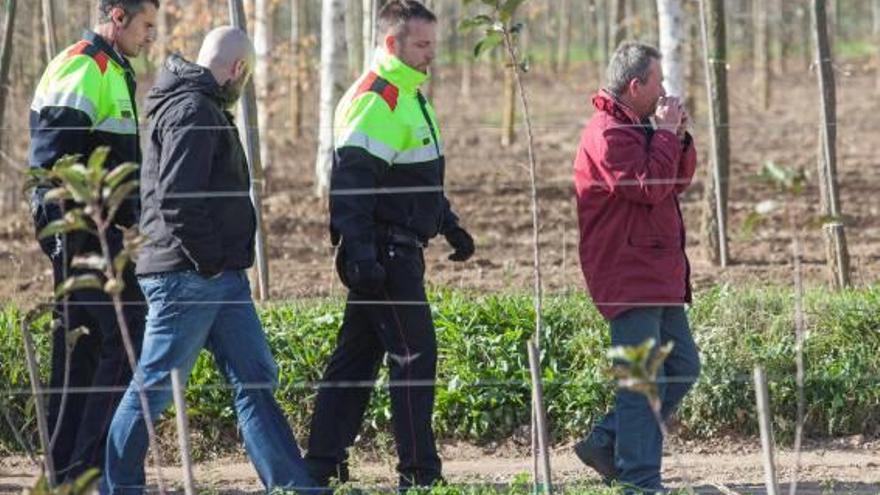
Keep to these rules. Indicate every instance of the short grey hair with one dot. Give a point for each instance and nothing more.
(631, 60)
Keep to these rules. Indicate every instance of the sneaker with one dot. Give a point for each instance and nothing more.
(598, 456)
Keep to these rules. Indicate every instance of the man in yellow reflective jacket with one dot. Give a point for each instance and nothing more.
(84, 100)
(387, 202)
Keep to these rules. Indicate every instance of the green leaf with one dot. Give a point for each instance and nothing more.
(87, 482)
(119, 174)
(74, 178)
(474, 22)
(509, 9)
(78, 283)
(114, 286)
(120, 261)
(58, 195)
(63, 226)
(119, 195)
(490, 41)
(96, 163)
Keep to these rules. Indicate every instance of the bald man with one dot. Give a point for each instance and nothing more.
(200, 224)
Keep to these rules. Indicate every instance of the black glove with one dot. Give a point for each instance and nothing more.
(462, 242)
(364, 276)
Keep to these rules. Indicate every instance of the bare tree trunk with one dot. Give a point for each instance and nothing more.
(620, 28)
(779, 46)
(835, 237)
(250, 129)
(714, 218)
(876, 11)
(333, 66)
(49, 29)
(673, 43)
(354, 36)
(563, 48)
(509, 108)
(762, 55)
(805, 28)
(368, 30)
(160, 47)
(263, 48)
(299, 67)
(6, 60)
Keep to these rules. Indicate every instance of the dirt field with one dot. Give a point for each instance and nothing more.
(846, 467)
(488, 186)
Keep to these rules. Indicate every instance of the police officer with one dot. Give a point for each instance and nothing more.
(85, 99)
(387, 201)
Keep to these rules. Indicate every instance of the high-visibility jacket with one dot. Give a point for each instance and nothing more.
(389, 167)
(84, 100)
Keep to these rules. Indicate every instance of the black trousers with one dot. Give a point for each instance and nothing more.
(397, 323)
(97, 360)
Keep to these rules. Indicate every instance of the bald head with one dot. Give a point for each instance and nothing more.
(223, 50)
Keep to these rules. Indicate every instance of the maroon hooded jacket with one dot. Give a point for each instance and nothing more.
(632, 238)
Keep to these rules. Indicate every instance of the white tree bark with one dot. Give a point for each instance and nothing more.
(369, 31)
(354, 38)
(263, 48)
(673, 43)
(333, 68)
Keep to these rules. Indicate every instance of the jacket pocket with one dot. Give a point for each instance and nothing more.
(655, 242)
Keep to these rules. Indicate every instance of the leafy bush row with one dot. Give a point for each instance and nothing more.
(483, 392)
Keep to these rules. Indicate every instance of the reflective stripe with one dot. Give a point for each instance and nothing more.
(372, 145)
(68, 100)
(117, 126)
(384, 152)
(418, 155)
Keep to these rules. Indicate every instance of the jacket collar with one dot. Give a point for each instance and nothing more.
(606, 102)
(395, 71)
(102, 44)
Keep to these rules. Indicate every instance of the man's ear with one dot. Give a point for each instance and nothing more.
(390, 43)
(634, 86)
(117, 15)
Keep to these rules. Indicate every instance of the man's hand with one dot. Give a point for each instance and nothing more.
(365, 277)
(683, 127)
(669, 114)
(462, 242)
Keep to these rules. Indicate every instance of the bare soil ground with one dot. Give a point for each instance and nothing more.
(847, 467)
(488, 186)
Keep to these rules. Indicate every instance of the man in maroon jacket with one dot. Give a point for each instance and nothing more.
(628, 175)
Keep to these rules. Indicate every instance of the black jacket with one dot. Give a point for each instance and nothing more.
(197, 212)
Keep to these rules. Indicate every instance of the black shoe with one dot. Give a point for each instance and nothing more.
(597, 456)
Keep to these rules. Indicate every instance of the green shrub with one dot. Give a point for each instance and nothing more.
(483, 393)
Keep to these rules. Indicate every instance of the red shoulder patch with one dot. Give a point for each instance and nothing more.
(102, 60)
(375, 84)
(83, 47)
(79, 48)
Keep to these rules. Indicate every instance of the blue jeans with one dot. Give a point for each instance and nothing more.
(188, 312)
(631, 425)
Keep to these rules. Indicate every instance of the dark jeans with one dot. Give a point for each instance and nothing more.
(631, 425)
(373, 326)
(97, 360)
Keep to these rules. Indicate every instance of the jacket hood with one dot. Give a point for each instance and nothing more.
(179, 76)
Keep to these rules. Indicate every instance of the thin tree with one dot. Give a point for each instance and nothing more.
(354, 36)
(762, 53)
(49, 29)
(263, 49)
(368, 30)
(298, 67)
(250, 129)
(620, 28)
(876, 13)
(6, 60)
(673, 44)
(835, 237)
(333, 69)
(714, 218)
(563, 48)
